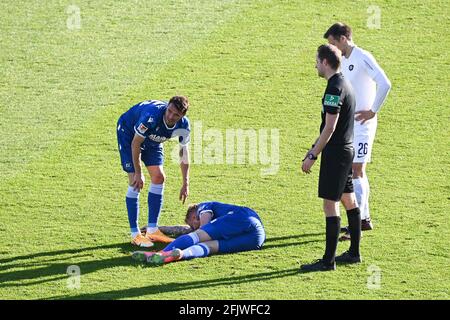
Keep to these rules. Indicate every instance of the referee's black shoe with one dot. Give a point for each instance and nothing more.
(346, 257)
(318, 265)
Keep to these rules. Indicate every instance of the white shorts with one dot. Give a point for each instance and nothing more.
(363, 144)
(363, 138)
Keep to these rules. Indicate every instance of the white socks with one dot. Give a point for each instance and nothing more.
(156, 188)
(152, 229)
(131, 193)
(135, 234)
(362, 190)
(194, 237)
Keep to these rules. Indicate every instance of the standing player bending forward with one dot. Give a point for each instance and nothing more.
(140, 134)
(219, 228)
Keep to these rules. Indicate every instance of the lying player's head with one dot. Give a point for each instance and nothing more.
(191, 217)
(328, 59)
(339, 34)
(176, 109)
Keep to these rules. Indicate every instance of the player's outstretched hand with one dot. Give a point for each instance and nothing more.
(184, 192)
(138, 181)
(363, 116)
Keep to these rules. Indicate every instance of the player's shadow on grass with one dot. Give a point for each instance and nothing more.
(272, 241)
(35, 268)
(52, 272)
(297, 236)
(122, 246)
(184, 286)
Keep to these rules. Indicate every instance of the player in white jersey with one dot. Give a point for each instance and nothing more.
(371, 87)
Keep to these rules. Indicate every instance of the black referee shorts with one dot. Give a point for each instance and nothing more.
(335, 176)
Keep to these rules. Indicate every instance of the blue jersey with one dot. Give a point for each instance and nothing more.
(236, 228)
(146, 119)
(218, 209)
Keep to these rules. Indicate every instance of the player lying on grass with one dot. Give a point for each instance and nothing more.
(218, 228)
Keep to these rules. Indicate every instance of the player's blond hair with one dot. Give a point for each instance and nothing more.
(192, 209)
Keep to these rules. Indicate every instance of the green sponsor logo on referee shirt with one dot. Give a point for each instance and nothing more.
(331, 100)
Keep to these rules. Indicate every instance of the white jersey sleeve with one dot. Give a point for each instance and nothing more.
(377, 74)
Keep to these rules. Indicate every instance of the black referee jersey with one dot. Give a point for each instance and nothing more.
(335, 176)
(339, 98)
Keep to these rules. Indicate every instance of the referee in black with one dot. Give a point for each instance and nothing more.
(335, 144)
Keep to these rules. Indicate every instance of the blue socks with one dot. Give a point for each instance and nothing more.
(198, 251)
(183, 242)
(132, 201)
(155, 201)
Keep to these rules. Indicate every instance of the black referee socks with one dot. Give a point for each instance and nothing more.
(354, 227)
(332, 236)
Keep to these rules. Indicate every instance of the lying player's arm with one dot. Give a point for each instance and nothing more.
(205, 218)
(184, 165)
(138, 181)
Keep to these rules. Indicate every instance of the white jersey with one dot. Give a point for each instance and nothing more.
(369, 83)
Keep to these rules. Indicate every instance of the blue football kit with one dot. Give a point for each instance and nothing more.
(236, 228)
(146, 119)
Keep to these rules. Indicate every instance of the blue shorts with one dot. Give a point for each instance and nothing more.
(239, 231)
(151, 155)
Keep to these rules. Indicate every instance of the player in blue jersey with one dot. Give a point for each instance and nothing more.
(219, 228)
(140, 134)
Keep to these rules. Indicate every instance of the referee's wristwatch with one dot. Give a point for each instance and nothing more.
(310, 156)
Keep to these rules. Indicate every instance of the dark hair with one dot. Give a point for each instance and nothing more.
(331, 54)
(191, 210)
(181, 103)
(337, 30)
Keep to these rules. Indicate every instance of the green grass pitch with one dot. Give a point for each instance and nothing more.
(243, 65)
